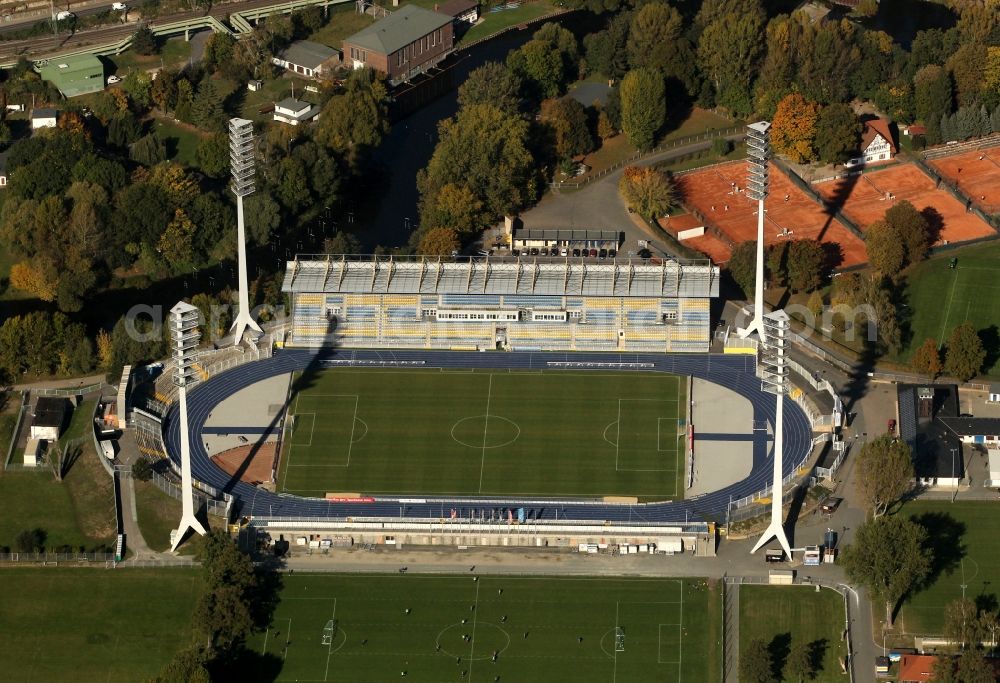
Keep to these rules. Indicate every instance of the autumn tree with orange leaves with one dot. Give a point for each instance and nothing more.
(793, 129)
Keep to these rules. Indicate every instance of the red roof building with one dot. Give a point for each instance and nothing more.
(916, 668)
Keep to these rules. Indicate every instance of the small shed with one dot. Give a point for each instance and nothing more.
(460, 10)
(294, 112)
(48, 418)
(34, 452)
(44, 118)
(74, 75)
(3, 169)
(994, 394)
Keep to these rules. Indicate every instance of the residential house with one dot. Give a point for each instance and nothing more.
(76, 75)
(294, 112)
(44, 118)
(916, 668)
(309, 59)
(404, 44)
(48, 418)
(877, 143)
(462, 11)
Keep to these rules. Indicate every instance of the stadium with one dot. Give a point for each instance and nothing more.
(500, 303)
(402, 422)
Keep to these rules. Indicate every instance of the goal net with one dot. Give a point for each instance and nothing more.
(619, 639)
(329, 631)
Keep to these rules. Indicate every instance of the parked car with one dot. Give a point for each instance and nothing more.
(612, 253)
(892, 427)
(564, 251)
(534, 251)
(576, 252)
(515, 252)
(119, 6)
(64, 15)
(603, 253)
(112, 79)
(593, 253)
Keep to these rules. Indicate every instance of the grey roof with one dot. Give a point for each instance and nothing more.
(3, 162)
(307, 53)
(937, 451)
(973, 426)
(500, 275)
(567, 235)
(404, 26)
(46, 113)
(455, 7)
(293, 104)
(995, 388)
(50, 411)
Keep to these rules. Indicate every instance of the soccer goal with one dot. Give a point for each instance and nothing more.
(619, 639)
(329, 631)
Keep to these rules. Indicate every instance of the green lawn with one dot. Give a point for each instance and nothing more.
(783, 616)
(181, 139)
(671, 629)
(159, 514)
(173, 54)
(940, 298)
(344, 21)
(963, 535)
(429, 431)
(494, 22)
(93, 624)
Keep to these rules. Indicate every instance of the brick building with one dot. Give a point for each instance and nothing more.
(406, 43)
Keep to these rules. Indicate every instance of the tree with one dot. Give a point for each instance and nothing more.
(143, 41)
(175, 244)
(644, 108)
(656, 41)
(799, 663)
(206, 108)
(729, 52)
(38, 278)
(293, 187)
(222, 618)
(607, 50)
(540, 67)
(886, 253)
(148, 150)
(889, 557)
(838, 133)
(124, 129)
(943, 670)
(187, 666)
(605, 129)
(138, 85)
(566, 118)
(342, 243)
(212, 156)
(967, 67)
(356, 120)
(965, 353)
(932, 98)
(885, 473)
(742, 267)
(142, 469)
(805, 265)
(30, 541)
(912, 229)
(755, 663)
(185, 101)
(793, 128)
(648, 191)
(457, 208)
(492, 83)
(815, 304)
(439, 242)
(164, 90)
(961, 623)
(973, 667)
(927, 359)
(263, 215)
(485, 151)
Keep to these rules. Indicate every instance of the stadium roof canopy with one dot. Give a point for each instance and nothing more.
(501, 275)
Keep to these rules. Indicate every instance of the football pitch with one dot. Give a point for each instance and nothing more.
(432, 628)
(942, 298)
(485, 432)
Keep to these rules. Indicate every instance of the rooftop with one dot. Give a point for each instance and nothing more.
(308, 53)
(44, 113)
(292, 105)
(404, 26)
(566, 234)
(931, 441)
(973, 426)
(50, 411)
(916, 668)
(875, 127)
(500, 275)
(455, 7)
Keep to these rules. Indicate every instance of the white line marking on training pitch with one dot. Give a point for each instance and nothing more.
(614, 672)
(329, 647)
(354, 421)
(475, 619)
(486, 427)
(947, 311)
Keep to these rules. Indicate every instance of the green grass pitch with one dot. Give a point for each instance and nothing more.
(83, 624)
(503, 433)
(963, 536)
(941, 298)
(455, 624)
(782, 616)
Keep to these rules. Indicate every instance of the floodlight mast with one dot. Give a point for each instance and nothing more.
(758, 153)
(183, 322)
(773, 372)
(241, 160)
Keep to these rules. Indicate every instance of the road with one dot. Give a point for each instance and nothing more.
(598, 206)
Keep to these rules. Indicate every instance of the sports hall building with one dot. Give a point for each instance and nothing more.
(500, 303)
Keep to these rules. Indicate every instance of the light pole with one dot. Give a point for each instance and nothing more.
(241, 159)
(183, 321)
(758, 153)
(773, 375)
(953, 475)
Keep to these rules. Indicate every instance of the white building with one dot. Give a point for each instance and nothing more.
(294, 112)
(48, 418)
(33, 452)
(43, 118)
(309, 59)
(876, 143)
(994, 395)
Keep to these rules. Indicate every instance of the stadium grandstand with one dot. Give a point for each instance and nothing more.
(500, 303)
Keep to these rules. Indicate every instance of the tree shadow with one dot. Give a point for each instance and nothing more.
(817, 653)
(944, 541)
(935, 223)
(859, 380)
(833, 255)
(69, 458)
(987, 602)
(778, 648)
(266, 594)
(990, 337)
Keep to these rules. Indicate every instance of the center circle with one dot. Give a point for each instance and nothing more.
(485, 431)
(489, 638)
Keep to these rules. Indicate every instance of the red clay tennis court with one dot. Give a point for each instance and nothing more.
(255, 461)
(871, 194)
(977, 174)
(717, 194)
(716, 249)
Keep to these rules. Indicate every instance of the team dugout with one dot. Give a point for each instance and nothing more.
(500, 303)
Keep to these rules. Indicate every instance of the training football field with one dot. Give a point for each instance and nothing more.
(373, 628)
(485, 432)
